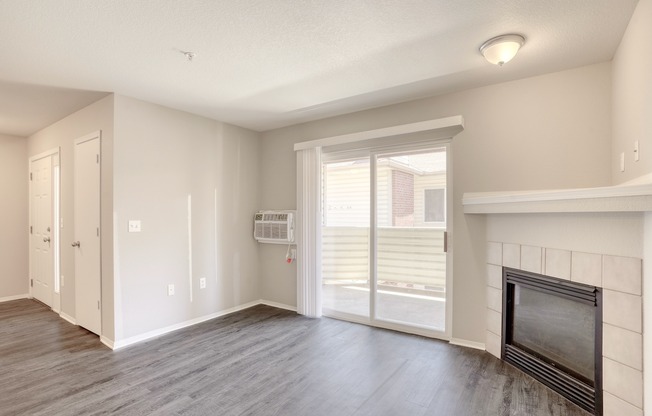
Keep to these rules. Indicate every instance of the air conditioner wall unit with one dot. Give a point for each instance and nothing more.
(275, 227)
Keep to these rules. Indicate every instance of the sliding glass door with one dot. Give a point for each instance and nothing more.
(383, 239)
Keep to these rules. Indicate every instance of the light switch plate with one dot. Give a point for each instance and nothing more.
(202, 283)
(170, 290)
(134, 226)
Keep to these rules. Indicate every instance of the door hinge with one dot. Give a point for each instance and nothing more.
(31, 282)
(98, 304)
(31, 231)
(97, 159)
(445, 241)
(30, 176)
(98, 232)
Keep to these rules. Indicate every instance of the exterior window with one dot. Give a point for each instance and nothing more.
(435, 205)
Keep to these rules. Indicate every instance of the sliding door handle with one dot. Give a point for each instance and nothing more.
(76, 244)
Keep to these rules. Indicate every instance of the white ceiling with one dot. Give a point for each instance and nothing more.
(264, 64)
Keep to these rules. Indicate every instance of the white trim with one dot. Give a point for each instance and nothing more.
(47, 153)
(90, 136)
(608, 198)
(165, 330)
(15, 297)
(190, 246)
(106, 341)
(468, 344)
(278, 305)
(68, 318)
(448, 127)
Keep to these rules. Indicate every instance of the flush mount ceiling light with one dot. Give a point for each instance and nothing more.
(502, 48)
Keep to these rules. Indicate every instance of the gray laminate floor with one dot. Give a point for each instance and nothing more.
(261, 361)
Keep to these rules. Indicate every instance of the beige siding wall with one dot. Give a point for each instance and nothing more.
(347, 197)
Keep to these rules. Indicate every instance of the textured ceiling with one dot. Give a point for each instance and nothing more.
(264, 64)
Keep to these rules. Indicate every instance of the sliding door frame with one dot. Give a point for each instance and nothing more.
(373, 154)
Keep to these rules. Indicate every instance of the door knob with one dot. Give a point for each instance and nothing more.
(76, 244)
(46, 239)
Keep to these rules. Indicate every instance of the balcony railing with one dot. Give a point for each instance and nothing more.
(407, 257)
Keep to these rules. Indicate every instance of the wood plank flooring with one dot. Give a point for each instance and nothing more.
(261, 361)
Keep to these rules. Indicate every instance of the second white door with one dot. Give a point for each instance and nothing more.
(87, 233)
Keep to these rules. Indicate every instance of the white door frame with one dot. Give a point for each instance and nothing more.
(56, 161)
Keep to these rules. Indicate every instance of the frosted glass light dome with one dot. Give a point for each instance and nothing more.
(502, 48)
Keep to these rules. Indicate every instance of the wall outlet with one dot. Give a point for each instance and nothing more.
(170, 290)
(202, 283)
(636, 151)
(134, 226)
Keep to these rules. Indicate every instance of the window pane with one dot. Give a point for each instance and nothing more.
(435, 205)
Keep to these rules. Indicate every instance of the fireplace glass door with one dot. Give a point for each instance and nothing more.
(552, 331)
(558, 330)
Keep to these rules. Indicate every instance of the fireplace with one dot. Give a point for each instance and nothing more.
(552, 330)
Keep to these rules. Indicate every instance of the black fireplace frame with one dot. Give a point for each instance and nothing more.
(587, 397)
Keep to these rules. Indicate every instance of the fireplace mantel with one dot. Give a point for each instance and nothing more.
(632, 198)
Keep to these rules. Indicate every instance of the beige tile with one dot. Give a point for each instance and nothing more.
(512, 255)
(586, 268)
(495, 253)
(494, 299)
(623, 346)
(558, 263)
(493, 344)
(494, 276)
(622, 310)
(622, 274)
(531, 258)
(623, 382)
(494, 322)
(614, 406)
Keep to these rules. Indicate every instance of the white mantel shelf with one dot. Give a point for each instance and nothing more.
(634, 198)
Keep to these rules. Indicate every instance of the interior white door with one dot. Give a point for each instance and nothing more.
(41, 258)
(87, 233)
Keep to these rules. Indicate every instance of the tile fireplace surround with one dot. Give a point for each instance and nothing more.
(620, 279)
(597, 236)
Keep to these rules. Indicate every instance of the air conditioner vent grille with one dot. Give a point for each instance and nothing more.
(274, 227)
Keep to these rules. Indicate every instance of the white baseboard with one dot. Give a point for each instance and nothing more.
(162, 331)
(15, 297)
(68, 318)
(277, 305)
(468, 344)
(109, 343)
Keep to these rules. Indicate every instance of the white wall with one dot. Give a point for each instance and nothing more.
(632, 97)
(97, 116)
(550, 131)
(14, 213)
(161, 157)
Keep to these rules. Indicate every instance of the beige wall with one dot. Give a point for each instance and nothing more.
(161, 157)
(632, 97)
(97, 116)
(14, 212)
(550, 131)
